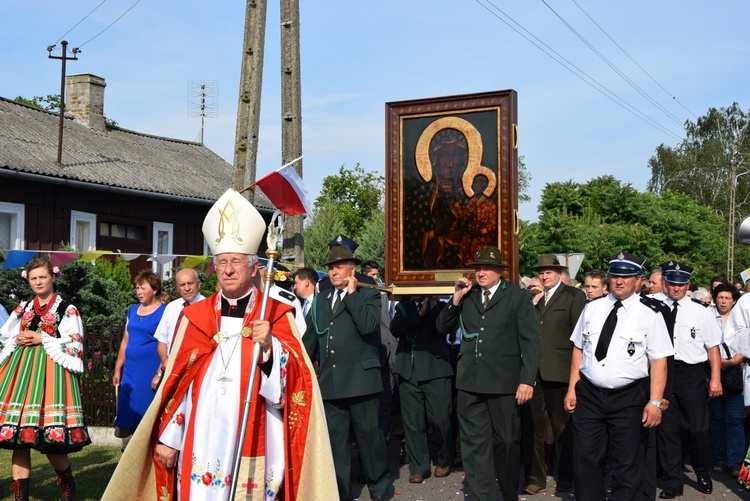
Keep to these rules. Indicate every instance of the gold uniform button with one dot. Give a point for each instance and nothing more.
(332, 352)
(333, 366)
(480, 341)
(330, 337)
(481, 328)
(480, 353)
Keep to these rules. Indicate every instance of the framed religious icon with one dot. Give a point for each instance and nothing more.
(451, 186)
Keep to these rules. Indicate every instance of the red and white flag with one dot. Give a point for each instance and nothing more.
(285, 189)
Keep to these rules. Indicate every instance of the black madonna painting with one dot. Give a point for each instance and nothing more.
(452, 184)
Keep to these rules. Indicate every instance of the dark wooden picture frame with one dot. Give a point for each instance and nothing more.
(451, 186)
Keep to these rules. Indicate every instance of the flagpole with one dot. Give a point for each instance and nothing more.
(275, 229)
(277, 170)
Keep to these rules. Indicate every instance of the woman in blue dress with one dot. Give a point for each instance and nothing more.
(137, 359)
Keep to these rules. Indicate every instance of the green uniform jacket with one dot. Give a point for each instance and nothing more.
(557, 319)
(346, 343)
(420, 344)
(500, 346)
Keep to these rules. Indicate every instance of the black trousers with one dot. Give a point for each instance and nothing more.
(548, 396)
(688, 412)
(608, 422)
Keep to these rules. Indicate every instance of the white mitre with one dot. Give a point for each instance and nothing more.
(233, 225)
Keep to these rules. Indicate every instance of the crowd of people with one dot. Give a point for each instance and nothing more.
(621, 378)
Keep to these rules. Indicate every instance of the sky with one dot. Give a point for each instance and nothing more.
(686, 56)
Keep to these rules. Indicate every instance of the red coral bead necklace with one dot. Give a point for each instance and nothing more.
(41, 310)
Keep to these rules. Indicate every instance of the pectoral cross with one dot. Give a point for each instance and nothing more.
(224, 379)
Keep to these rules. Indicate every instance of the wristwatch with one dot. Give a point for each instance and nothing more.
(656, 403)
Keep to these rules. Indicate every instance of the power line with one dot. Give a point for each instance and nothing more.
(568, 65)
(672, 96)
(111, 24)
(79, 22)
(609, 63)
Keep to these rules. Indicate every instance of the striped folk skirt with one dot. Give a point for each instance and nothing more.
(40, 404)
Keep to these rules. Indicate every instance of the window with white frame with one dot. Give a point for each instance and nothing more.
(163, 236)
(82, 230)
(11, 226)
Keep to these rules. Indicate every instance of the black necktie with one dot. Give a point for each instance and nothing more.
(607, 330)
(674, 312)
(486, 299)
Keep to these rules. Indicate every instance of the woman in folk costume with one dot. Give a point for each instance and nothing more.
(185, 446)
(40, 394)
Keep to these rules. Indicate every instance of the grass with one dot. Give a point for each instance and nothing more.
(92, 469)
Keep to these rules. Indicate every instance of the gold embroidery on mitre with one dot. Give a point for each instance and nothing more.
(164, 494)
(193, 358)
(298, 398)
(232, 216)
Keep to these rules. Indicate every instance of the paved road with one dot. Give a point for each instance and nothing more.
(452, 488)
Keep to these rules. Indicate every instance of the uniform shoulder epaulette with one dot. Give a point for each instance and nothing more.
(652, 303)
(595, 298)
(285, 296)
(705, 305)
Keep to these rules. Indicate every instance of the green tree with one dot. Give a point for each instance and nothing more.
(705, 163)
(372, 240)
(51, 102)
(524, 180)
(357, 195)
(323, 225)
(604, 216)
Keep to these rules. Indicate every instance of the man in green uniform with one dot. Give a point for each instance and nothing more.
(424, 370)
(497, 367)
(343, 333)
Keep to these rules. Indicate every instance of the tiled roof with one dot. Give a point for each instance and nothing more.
(115, 157)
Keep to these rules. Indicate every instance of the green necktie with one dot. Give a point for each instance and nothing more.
(337, 300)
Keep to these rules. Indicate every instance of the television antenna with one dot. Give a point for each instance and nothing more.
(203, 100)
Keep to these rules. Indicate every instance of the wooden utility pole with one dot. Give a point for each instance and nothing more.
(64, 58)
(291, 118)
(248, 109)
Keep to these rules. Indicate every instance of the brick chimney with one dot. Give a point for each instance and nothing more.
(84, 98)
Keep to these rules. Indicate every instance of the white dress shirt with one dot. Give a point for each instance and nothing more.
(165, 330)
(695, 331)
(641, 335)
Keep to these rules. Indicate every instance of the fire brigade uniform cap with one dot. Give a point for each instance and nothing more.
(343, 240)
(489, 255)
(233, 225)
(549, 261)
(625, 264)
(340, 253)
(676, 273)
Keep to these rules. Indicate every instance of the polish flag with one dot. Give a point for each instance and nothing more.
(285, 189)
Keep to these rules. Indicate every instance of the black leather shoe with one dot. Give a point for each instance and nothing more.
(670, 493)
(404, 454)
(705, 484)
